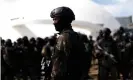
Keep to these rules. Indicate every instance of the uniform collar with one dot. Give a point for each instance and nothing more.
(66, 29)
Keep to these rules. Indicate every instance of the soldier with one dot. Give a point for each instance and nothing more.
(47, 52)
(45, 40)
(131, 61)
(26, 58)
(91, 41)
(9, 58)
(32, 42)
(37, 57)
(39, 44)
(125, 56)
(18, 49)
(3, 63)
(34, 60)
(100, 35)
(105, 49)
(88, 49)
(117, 36)
(14, 43)
(131, 36)
(92, 47)
(67, 59)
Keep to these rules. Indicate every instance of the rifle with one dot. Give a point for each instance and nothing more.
(105, 53)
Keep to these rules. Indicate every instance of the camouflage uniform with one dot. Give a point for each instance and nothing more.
(69, 56)
(66, 64)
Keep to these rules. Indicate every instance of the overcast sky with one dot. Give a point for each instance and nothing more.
(117, 7)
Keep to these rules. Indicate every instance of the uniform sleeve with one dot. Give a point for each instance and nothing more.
(63, 45)
(98, 51)
(114, 49)
(62, 51)
(46, 52)
(43, 51)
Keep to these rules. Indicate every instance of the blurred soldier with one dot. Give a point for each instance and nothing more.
(100, 35)
(32, 42)
(105, 49)
(131, 61)
(131, 36)
(37, 55)
(14, 43)
(67, 60)
(117, 36)
(47, 52)
(3, 63)
(39, 45)
(91, 41)
(26, 58)
(88, 43)
(19, 56)
(9, 58)
(125, 56)
(46, 40)
(2, 42)
(35, 60)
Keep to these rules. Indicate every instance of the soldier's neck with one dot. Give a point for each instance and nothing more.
(68, 27)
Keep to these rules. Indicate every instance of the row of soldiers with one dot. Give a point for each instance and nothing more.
(31, 58)
(68, 56)
(115, 54)
(21, 58)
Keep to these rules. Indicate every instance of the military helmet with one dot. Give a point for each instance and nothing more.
(19, 40)
(106, 30)
(121, 28)
(63, 12)
(8, 42)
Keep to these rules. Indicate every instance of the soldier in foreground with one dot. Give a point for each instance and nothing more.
(68, 57)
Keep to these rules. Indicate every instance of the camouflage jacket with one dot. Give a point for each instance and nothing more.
(66, 59)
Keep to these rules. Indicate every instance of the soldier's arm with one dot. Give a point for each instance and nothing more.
(63, 46)
(114, 49)
(97, 51)
(62, 52)
(43, 51)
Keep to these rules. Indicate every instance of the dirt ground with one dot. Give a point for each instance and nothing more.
(94, 70)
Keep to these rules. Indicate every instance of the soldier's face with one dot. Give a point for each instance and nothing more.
(106, 34)
(57, 23)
